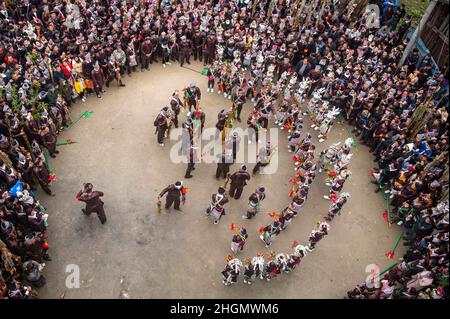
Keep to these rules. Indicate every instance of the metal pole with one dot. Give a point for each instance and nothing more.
(321, 12)
(299, 13)
(312, 7)
(417, 32)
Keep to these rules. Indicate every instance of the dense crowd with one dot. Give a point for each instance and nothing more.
(55, 53)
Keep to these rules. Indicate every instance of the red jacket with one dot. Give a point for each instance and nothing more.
(67, 69)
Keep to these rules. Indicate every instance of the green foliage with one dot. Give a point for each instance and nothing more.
(33, 57)
(41, 106)
(37, 116)
(16, 105)
(32, 100)
(415, 8)
(443, 281)
(33, 96)
(416, 13)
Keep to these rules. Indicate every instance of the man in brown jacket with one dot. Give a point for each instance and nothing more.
(209, 48)
(42, 174)
(49, 140)
(238, 181)
(175, 195)
(98, 79)
(198, 40)
(185, 50)
(146, 51)
(93, 202)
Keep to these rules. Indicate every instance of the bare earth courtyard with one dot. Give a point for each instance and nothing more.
(181, 255)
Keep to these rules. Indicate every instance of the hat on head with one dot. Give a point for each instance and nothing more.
(435, 184)
(5, 225)
(14, 143)
(188, 121)
(179, 184)
(35, 145)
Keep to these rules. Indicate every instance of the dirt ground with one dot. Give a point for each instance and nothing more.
(180, 255)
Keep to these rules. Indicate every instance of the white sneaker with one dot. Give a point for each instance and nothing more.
(162, 144)
(168, 63)
(212, 90)
(207, 90)
(225, 95)
(249, 142)
(244, 217)
(321, 140)
(164, 65)
(326, 197)
(253, 100)
(229, 97)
